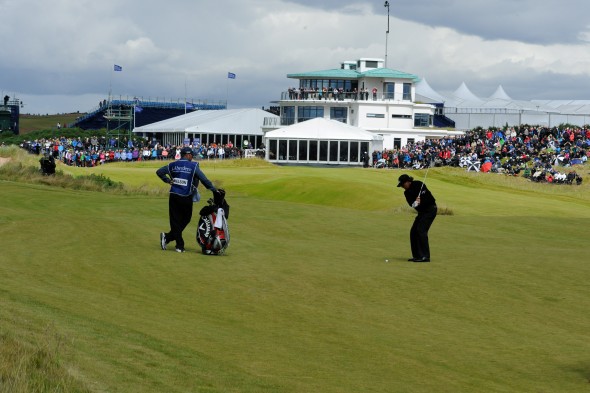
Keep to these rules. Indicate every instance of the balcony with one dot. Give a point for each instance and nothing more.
(348, 96)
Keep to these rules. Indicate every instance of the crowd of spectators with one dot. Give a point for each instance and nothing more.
(526, 149)
(93, 151)
(331, 93)
(529, 149)
(542, 145)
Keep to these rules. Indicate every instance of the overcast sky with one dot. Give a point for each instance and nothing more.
(58, 55)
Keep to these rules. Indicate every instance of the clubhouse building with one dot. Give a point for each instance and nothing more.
(365, 107)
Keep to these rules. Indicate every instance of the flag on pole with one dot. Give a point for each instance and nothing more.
(118, 68)
(231, 75)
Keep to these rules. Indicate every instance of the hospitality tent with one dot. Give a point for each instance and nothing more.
(321, 141)
(469, 111)
(240, 126)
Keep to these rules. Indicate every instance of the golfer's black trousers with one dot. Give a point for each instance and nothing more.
(419, 233)
(180, 210)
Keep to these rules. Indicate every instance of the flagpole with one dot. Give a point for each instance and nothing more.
(111, 83)
(230, 75)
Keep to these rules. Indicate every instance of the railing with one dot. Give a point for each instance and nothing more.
(312, 95)
(271, 122)
(291, 121)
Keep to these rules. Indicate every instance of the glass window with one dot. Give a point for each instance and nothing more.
(407, 92)
(272, 150)
(376, 115)
(370, 64)
(339, 114)
(302, 150)
(389, 90)
(422, 120)
(309, 112)
(288, 116)
(343, 151)
(282, 149)
(323, 150)
(410, 141)
(292, 150)
(333, 150)
(397, 143)
(365, 147)
(354, 152)
(313, 150)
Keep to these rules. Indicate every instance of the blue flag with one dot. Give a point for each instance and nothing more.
(138, 109)
(231, 75)
(118, 68)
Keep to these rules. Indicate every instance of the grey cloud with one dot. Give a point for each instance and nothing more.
(71, 48)
(529, 21)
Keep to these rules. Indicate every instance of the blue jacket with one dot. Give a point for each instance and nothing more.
(182, 175)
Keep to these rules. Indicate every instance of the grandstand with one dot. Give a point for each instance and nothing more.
(125, 114)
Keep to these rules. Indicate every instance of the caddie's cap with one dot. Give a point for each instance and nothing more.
(186, 150)
(404, 178)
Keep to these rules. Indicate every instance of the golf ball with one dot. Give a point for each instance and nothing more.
(387, 260)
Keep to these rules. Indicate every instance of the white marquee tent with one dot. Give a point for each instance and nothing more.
(321, 141)
(208, 126)
(469, 111)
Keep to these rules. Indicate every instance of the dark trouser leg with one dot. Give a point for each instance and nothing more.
(419, 234)
(180, 210)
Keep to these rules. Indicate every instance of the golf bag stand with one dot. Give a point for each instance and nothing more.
(213, 232)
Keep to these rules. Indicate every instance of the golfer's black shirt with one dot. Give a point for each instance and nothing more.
(427, 201)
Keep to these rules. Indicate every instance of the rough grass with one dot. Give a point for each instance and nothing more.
(304, 300)
(23, 167)
(26, 368)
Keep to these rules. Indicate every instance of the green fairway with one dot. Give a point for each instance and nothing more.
(303, 300)
(30, 123)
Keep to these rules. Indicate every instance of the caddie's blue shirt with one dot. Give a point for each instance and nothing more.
(182, 175)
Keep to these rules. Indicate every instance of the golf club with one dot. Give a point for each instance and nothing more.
(415, 204)
(424, 180)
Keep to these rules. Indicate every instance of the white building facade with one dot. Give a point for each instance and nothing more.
(362, 94)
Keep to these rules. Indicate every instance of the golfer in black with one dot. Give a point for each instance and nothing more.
(421, 199)
(183, 176)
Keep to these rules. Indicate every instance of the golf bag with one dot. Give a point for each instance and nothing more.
(213, 232)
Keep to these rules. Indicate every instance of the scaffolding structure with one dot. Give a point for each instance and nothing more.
(120, 121)
(10, 114)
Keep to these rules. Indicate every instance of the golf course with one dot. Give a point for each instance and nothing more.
(314, 293)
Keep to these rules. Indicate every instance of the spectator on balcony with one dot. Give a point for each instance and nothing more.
(374, 94)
